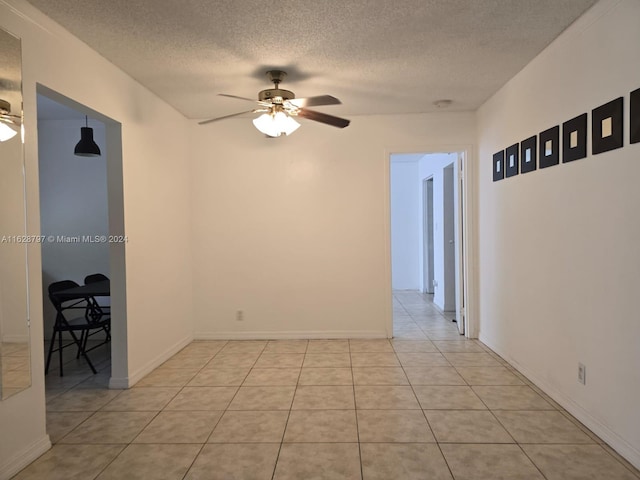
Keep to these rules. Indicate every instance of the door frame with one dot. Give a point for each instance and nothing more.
(117, 260)
(468, 323)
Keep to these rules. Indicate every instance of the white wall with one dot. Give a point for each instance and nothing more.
(406, 222)
(156, 220)
(295, 231)
(558, 247)
(73, 203)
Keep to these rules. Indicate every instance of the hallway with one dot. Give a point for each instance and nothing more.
(426, 404)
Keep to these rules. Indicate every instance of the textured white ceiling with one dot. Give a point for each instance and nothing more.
(377, 56)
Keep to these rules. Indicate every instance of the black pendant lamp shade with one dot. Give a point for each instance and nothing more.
(86, 147)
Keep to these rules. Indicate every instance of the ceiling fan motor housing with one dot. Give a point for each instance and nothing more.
(5, 107)
(275, 95)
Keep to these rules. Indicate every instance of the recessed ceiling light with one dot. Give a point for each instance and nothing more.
(443, 103)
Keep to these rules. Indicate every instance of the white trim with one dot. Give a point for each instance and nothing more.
(292, 334)
(135, 377)
(25, 457)
(610, 437)
(16, 338)
(386, 208)
(469, 212)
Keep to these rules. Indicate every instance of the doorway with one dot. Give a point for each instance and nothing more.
(426, 210)
(81, 210)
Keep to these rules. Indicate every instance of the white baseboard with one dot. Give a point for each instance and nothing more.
(610, 437)
(139, 374)
(290, 335)
(15, 339)
(25, 457)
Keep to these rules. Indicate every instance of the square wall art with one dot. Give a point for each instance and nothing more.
(634, 136)
(549, 147)
(512, 161)
(606, 127)
(574, 138)
(528, 154)
(498, 166)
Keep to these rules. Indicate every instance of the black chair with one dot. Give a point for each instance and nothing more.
(88, 322)
(101, 308)
(95, 278)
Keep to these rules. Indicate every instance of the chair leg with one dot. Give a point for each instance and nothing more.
(82, 333)
(60, 352)
(53, 341)
(86, 339)
(84, 354)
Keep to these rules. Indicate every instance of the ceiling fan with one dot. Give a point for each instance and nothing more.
(278, 107)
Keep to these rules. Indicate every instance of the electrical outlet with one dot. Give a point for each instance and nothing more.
(582, 373)
(239, 316)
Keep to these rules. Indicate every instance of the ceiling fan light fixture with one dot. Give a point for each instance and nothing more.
(86, 147)
(8, 127)
(6, 132)
(276, 124)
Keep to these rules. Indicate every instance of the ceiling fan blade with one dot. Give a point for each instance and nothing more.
(204, 122)
(237, 97)
(315, 101)
(324, 118)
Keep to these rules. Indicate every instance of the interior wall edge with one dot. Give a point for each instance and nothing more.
(25, 457)
(290, 335)
(139, 374)
(605, 432)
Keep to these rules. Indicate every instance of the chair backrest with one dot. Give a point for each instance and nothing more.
(56, 287)
(95, 277)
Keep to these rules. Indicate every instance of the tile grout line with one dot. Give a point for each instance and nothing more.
(425, 416)
(427, 420)
(286, 423)
(431, 325)
(355, 411)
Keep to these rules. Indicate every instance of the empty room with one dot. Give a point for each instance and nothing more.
(319, 240)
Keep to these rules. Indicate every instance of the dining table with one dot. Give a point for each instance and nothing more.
(87, 291)
(93, 311)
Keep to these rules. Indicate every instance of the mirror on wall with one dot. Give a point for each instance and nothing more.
(15, 371)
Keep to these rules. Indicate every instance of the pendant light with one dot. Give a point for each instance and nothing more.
(86, 147)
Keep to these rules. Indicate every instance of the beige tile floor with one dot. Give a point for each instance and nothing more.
(14, 368)
(428, 404)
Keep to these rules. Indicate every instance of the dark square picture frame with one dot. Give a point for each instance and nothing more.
(612, 139)
(574, 138)
(552, 156)
(512, 160)
(634, 117)
(529, 161)
(498, 165)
